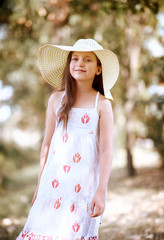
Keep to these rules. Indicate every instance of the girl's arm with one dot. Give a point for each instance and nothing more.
(105, 156)
(49, 129)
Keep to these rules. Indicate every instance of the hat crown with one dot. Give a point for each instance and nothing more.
(89, 44)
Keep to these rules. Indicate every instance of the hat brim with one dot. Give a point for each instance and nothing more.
(53, 58)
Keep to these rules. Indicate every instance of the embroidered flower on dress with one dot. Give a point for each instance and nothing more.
(85, 119)
(72, 207)
(91, 132)
(76, 158)
(65, 137)
(77, 188)
(76, 227)
(57, 203)
(55, 183)
(66, 168)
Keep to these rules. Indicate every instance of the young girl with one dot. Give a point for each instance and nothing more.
(76, 153)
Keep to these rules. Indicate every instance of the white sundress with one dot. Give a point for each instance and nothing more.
(68, 182)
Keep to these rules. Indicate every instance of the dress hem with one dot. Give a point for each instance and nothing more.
(27, 235)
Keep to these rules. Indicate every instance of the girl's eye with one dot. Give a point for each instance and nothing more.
(76, 59)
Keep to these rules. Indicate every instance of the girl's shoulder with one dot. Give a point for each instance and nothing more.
(104, 105)
(54, 99)
(56, 95)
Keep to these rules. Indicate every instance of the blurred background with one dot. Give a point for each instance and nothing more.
(134, 30)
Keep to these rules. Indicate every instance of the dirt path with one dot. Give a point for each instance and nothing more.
(135, 207)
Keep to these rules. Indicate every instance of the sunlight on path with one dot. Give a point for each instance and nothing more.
(135, 207)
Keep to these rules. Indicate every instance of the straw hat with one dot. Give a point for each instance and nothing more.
(53, 58)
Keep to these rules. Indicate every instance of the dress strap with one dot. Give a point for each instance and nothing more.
(96, 101)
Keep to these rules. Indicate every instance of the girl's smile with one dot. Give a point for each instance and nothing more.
(79, 70)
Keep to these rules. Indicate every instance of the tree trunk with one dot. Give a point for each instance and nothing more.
(130, 166)
(129, 137)
(133, 51)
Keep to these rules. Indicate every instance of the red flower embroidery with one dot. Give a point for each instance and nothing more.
(55, 183)
(66, 168)
(75, 227)
(54, 152)
(91, 132)
(85, 119)
(77, 188)
(72, 207)
(65, 137)
(24, 234)
(57, 203)
(76, 158)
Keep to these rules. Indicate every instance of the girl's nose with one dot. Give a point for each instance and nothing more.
(81, 62)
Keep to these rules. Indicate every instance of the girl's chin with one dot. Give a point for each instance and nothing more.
(79, 75)
(79, 78)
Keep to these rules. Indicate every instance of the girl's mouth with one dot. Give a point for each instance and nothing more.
(80, 70)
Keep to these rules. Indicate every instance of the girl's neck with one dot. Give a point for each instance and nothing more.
(84, 90)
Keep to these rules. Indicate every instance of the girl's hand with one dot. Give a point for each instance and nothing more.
(97, 204)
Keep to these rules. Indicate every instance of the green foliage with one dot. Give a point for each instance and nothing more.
(136, 6)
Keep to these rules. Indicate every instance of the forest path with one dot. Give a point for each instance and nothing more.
(135, 206)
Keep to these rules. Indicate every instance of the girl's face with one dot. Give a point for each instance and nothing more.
(83, 66)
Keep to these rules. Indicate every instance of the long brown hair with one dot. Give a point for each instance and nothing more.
(70, 87)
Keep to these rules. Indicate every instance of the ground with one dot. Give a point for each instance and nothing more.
(135, 206)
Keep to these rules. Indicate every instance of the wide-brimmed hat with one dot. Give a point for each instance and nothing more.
(53, 58)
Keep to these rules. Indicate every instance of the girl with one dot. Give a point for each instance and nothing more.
(76, 153)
